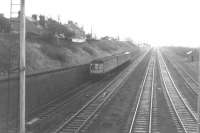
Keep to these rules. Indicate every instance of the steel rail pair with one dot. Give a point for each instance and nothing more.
(142, 118)
(76, 123)
(193, 84)
(185, 115)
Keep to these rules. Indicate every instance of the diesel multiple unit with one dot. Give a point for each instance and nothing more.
(107, 64)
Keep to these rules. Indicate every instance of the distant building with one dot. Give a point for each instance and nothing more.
(193, 55)
(189, 52)
(78, 40)
(106, 38)
(32, 27)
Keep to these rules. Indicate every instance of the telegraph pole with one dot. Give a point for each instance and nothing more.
(91, 31)
(198, 106)
(22, 67)
(198, 102)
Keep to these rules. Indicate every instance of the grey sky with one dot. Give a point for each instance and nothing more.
(159, 22)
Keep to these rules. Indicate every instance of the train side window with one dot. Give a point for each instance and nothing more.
(101, 66)
(91, 66)
(96, 66)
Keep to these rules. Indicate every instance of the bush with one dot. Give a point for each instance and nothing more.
(47, 37)
(54, 53)
(54, 27)
(89, 50)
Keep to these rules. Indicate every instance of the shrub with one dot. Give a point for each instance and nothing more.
(54, 53)
(89, 50)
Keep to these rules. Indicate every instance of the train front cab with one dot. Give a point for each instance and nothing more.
(96, 70)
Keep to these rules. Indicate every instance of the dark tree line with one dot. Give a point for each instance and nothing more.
(55, 28)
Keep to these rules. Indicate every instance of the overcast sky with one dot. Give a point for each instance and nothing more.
(158, 22)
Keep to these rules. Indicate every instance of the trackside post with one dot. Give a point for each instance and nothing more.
(22, 128)
(198, 102)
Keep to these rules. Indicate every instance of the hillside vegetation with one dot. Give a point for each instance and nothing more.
(50, 45)
(189, 54)
(188, 57)
(42, 56)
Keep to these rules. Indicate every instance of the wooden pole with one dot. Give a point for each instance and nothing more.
(198, 102)
(22, 67)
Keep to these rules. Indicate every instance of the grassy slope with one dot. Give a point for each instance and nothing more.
(42, 56)
(179, 54)
(181, 51)
(187, 59)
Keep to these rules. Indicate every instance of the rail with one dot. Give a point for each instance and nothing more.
(193, 84)
(184, 113)
(142, 117)
(75, 123)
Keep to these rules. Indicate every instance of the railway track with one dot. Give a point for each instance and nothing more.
(142, 118)
(193, 84)
(56, 106)
(155, 109)
(186, 117)
(83, 116)
(187, 85)
(57, 112)
(51, 106)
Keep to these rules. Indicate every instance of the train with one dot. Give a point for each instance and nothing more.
(100, 67)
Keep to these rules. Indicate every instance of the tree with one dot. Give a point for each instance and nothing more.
(8, 56)
(88, 37)
(56, 28)
(42, 20)
(4, 25)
